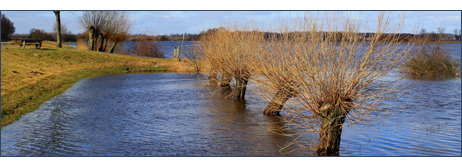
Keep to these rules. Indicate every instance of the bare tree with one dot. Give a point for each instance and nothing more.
(144, 46)
(315, 61)
(230, 50)
(100, 21)
(455, 34)
(329, 80)
(441, 32)
(121, 28)
(64, 31)
(193, 57)
(423, 31)
(459, 34)
(58, 29)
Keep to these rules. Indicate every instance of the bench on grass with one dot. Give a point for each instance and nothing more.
(30, 41)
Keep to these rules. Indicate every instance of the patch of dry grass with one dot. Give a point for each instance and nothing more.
(81, 45)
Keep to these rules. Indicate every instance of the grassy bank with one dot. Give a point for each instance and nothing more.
(32, 76)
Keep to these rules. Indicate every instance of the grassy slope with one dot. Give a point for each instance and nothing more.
(27, 80)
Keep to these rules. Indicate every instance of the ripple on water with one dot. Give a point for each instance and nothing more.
(168, 114)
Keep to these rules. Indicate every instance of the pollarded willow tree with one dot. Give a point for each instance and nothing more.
(102, 23)
(328, 73)
(120, 32)
(315, 65)
(231, 50)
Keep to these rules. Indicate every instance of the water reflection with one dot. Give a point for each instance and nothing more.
(162, 114)
(168, 114)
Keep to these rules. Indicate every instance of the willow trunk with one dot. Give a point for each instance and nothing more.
(225, 79)
(95, 41)
(240, 88)
(332, 119)
(103, 38)
(105, 45)
(213, 76)
(286, 92)
(111, 50)
(91, 37)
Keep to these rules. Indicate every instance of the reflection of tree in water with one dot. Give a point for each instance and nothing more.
(239, 125)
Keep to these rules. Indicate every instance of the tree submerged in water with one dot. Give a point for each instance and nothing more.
(316, 67)
(431, 60)
(231, 52)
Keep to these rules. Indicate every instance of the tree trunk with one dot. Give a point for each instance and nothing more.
(240, 88)
(103, 37)
(95, 41)
(105, 45)
(332, 119)
(286, 92)
(58, 29)
(91, 39)
(113, 47)
(212, 76)
(225, 79)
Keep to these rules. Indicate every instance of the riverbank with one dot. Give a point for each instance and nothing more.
(32, 76)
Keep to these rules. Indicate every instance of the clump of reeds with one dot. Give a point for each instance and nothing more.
(81, 45)
(429, 60)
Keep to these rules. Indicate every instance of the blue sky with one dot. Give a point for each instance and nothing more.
(177, 22)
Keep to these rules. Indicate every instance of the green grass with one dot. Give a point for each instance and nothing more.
(28, 80)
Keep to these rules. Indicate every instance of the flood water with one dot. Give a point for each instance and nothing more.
(146, 114)
(173, 114)
(167, 47)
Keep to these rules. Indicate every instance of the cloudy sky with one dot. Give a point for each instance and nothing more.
(178, 22)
